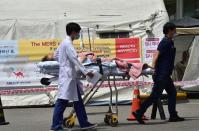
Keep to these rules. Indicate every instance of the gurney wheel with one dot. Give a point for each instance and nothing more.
(45, 81)
(69, 122)
(113, 120)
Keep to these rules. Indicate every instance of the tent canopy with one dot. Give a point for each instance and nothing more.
(47, 18)
(188, 28)
(187, 25)
(85, 11)
(187, 22)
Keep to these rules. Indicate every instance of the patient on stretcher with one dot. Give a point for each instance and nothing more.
(133, 69)
(48, 57)
(113, 65)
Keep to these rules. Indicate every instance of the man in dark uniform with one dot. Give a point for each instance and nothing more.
(163, 63)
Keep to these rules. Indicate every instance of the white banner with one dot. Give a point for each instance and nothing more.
(17, 67)
(19, 74)
(149, 47)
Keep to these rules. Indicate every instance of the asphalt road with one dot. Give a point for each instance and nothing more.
(39, 119)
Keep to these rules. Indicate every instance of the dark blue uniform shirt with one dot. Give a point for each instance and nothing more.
(165, 62)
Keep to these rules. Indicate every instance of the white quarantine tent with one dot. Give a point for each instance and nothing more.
(46, 19)
(188, 40)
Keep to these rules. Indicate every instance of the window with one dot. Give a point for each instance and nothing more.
(191, 8)
(105, 35)
(171, 8)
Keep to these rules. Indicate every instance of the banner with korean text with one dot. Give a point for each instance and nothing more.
(149, 48)
(19, 58)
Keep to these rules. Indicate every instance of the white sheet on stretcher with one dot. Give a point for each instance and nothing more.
(52, 68)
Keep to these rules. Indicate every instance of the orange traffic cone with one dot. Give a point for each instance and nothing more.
(136, 102)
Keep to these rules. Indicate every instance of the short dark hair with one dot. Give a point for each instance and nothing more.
(168, 26)
(70, 27)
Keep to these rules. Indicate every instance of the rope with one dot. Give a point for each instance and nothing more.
(104, 85)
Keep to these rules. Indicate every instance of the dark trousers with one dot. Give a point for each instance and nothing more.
(60, 107)
(161, 83)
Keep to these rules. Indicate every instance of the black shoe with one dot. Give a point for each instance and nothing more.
(176, 119)
(60, 130)
(138, 117)
(89, 126)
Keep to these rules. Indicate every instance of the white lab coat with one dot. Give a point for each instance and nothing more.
(69, 63)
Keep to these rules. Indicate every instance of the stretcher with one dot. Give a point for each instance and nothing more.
(110, 73)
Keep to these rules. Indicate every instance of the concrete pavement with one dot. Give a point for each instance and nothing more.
(39, 119)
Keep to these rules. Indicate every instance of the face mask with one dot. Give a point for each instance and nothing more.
(174, 35)
(77, 36)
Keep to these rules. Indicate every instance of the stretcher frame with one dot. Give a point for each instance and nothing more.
(111, 117)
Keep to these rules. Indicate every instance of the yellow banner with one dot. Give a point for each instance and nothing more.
(101, 47)
(36, 49)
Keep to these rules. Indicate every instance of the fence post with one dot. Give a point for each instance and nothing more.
(2, 117)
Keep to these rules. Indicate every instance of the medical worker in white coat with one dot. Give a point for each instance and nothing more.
(69, 86)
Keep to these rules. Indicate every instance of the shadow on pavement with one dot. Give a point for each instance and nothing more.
(192, 118)
(135, 123)
(84, 130)
(147, 123)
(96, 113)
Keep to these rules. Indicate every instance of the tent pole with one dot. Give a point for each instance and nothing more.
(191, 43)
(81, 41)
(89, 38)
